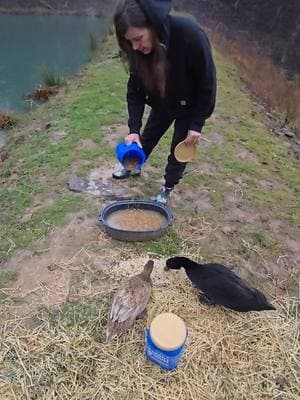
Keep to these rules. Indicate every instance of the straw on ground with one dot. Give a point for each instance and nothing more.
(228, 355)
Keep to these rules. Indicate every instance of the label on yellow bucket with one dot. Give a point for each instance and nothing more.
(168, 331)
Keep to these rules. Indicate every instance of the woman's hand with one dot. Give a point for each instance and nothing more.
(133, 138)
(193, 137)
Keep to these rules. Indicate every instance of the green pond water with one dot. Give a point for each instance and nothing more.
(31, 44)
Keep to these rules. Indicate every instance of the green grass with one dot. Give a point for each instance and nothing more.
(89, 315)
(166, 245)
(262, 239)
(52, 78)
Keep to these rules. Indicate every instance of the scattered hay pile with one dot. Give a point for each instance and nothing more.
(228, 355)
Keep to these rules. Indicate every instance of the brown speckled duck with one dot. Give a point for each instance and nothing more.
(129, 302)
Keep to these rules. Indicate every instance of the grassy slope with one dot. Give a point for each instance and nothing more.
(37, 169)
(40, 168)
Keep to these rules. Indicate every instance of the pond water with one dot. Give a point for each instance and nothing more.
(31, 44)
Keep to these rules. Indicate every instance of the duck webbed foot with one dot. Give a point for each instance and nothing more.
(205, 300)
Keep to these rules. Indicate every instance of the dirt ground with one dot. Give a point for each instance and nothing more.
(79, 265)
(47, 271)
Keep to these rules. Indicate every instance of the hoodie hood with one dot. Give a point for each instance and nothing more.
(157, 11)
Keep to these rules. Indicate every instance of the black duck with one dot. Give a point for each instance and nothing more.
(219, 285)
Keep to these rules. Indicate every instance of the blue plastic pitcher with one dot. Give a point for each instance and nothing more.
(124, 151)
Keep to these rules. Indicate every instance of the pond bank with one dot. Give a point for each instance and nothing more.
(64, 46)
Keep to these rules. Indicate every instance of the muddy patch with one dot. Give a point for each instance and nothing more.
(213, 138)
(289, 239)
(257, 271)
(205, 168)
(104, 172)
(247, 155)
(57, 136)
(236, 211)
(38, 205)
(148, 170)
(243, 214)
(229, 230)
(86, 144)
(236, 192)
(112, 135)
(276, 225)
(76, 166)
(269, 185)
(33, 128)
(277, 275)
(238, 185)
(197, 202)
(215, 117)
(12, 179)
(294, 247)
(45, 272)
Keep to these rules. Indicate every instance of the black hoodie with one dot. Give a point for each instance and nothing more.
(191, 82)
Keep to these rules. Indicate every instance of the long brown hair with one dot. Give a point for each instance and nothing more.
(151, 68)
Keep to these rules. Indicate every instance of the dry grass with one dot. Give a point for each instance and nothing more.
(262, 77)
(6, 120)
(42, 93)
(228, 355)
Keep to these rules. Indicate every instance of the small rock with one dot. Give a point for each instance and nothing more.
(48, 125)
(97, 188)
(52, 267)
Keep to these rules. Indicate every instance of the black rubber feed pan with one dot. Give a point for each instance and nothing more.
(135, 236)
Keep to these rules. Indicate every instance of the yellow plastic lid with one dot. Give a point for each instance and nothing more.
(184, 152)
(168, 331)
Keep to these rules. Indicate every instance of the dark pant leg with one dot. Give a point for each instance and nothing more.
(175, 169)
(155, 127)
